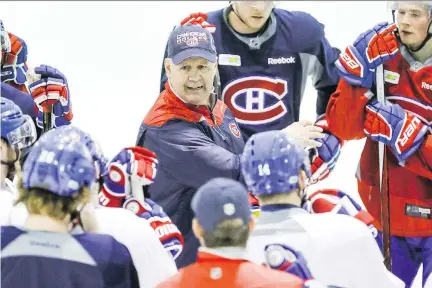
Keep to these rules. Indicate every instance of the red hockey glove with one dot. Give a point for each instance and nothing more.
(358, 63)
(391, 125)
(13, 60)
(198, 19)
(125, 175)
(165, 229)
(336, 201)
(50, 92)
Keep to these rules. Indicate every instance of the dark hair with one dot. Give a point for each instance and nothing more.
(230, 232)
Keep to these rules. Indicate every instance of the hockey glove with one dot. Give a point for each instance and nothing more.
(392, 125)
(50, 93)
(323, 158)
(168, 233)
(358, 63)
(283, 258)
(198, 19)
(13, 60)
(336, 201)
(126, 174)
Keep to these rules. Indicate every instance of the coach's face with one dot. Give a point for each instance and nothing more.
(192, 79)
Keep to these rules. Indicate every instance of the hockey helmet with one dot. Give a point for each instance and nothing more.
(271, 163)
(59, 164)
(17, 129)
(92, 145)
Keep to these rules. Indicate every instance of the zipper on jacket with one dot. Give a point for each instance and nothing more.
(215, 126)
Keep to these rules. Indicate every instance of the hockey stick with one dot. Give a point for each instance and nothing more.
(47, 120)
(384, 189)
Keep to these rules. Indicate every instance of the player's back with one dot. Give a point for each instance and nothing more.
(153, 263)
(339, 249)
(213, 271)
(53, 259)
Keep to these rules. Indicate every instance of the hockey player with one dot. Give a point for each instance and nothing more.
(265, 55)
(138, 236)
(122, 186)
(403, 124)
(13, 60)
(222, 224)
(56, 183)
(17, 132)
(47, 86)
(339, 250)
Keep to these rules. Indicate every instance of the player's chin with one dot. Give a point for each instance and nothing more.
(256, 22)
(410, 40)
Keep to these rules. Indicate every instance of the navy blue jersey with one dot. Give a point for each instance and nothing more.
(22, 99)
(193, 145)
(51, 259)
(263, 77)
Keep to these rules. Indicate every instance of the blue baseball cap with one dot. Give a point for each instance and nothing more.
(191, 41)
(220, 199)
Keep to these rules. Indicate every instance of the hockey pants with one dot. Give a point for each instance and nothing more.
(407, 254)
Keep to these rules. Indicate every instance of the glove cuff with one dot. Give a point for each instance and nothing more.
(108, 200)
(134, 206)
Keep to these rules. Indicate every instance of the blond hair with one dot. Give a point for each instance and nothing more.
(43, 202)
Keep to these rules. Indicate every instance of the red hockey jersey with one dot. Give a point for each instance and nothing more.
(409, 84)
(228, 267)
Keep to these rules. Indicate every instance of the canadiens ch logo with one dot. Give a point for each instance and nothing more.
(234, 129)
(256, 99)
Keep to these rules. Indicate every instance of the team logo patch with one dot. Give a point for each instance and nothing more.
(234, 129)
(256, 99)
(191, 38)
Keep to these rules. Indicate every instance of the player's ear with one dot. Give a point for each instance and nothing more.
(196, 228)
(167, 64)
(251, 224)
(302, 179)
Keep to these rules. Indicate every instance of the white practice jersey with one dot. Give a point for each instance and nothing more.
(152, 262)
(340, 250)
(428, 283)
(6, 204)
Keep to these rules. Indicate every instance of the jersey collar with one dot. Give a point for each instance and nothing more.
(277, 207)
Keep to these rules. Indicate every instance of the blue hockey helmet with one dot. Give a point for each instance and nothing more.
(85, 138)
(17, 129)
(271, 163)
(59, 163)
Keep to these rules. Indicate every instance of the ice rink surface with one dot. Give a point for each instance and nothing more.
(111, 53)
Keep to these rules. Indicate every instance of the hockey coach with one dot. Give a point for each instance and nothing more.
(193, 134)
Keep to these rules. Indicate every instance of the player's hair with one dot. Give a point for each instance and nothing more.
(42, 202)
(229, 232)
(10, 151)
(277, 198)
